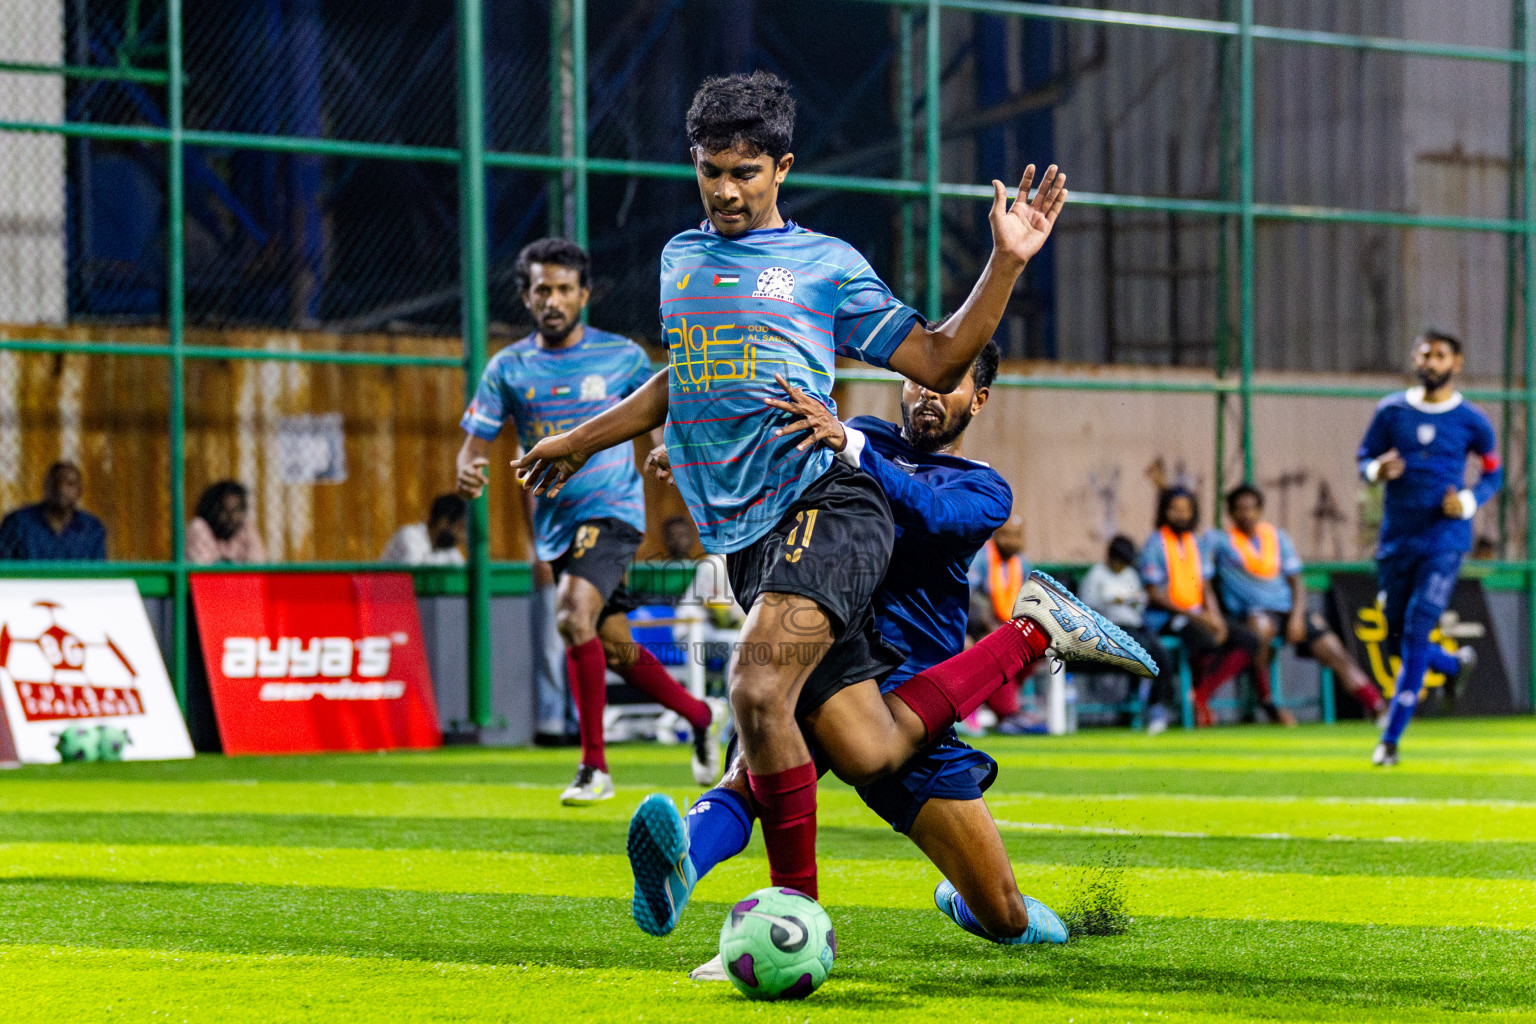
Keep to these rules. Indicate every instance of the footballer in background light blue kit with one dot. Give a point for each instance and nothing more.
(557, 378)
(1418, 443)
(545, 391)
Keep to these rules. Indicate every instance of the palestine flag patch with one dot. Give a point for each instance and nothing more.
(727, 280)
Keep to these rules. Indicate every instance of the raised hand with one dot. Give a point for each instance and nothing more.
(1018, 231)
(814, 417)
(549, 464)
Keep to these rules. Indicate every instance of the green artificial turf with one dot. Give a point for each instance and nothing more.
(1269, 874)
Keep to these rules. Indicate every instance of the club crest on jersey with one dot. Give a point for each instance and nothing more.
(1426, 433)
(775, 283)
(593, 387)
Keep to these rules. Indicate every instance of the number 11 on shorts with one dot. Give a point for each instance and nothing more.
(806, 519)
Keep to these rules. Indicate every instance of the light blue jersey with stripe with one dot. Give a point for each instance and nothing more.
(735, 311)
(548, 391)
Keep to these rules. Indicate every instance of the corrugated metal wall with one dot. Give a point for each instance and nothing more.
(1332, 128)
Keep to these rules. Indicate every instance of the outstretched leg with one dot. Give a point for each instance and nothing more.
(980, 893)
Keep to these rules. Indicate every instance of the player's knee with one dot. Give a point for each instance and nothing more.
(575, 627)
(756, 697)
(618, 655)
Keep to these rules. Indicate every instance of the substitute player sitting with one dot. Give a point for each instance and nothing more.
(945, 508)
(1259, 574)
(559, 376)
(745, 296)
(1418, 443)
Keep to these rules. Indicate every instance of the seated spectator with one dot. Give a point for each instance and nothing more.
(1174, 569)
(1113, 588)
(222, 530)
(56, 529)
(997, 574)
(1259, 574)
(436, 541)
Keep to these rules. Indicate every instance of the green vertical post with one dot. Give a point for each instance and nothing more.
(472, 270)
(908, 281)
(1245, 201)
(558, 25)
(1513, 245)
(579, 104)
(1223, 260)
(1528, 254)
(933, 110)
(176, 323)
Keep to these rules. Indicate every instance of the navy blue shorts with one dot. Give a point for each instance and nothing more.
(948, 769)
(1416, 589)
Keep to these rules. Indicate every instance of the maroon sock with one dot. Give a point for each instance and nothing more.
(951, 690)
(1223, 667)
(786, 805)
(649, 677)
(587, 670)
(1004, 701)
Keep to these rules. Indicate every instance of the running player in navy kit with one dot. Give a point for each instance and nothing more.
(559, 376)
(747, 296)
(1418, 444)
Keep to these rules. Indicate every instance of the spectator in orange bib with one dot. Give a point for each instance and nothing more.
(1175, 569)
(1259, 573)
(997, 573)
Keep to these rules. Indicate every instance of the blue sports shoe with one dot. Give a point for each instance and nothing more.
(1077, 632)
(664, 873)
(1044, 925)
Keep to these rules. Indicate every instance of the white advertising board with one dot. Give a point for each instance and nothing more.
(80, 653)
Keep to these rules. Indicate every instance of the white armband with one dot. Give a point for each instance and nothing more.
(1468, 503)
(853, 450)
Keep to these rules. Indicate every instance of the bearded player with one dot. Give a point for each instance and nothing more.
(945, 507)
(561, 375)
(1418, 443)
(806, 537)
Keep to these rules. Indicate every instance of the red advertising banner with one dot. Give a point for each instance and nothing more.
(302, 662)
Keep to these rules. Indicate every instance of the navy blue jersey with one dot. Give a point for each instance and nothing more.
(1434, 439)
(545, 391)
(945, 508)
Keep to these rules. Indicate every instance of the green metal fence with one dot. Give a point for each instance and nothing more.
(919, 19)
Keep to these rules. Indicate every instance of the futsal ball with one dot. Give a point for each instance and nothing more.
(78, 743)
(777, 944)
(110, 742)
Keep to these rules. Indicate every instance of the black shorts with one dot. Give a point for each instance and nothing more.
(832, 546)
(1317, 628)
(600, 553)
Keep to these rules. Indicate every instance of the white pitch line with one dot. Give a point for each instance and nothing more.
(1045, 826)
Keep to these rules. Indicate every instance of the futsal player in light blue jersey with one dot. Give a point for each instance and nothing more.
(561, 375)
(1418, 443)
(748, 295)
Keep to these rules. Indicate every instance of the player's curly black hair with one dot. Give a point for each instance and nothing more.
(562, 252)
(984, 369)
(753, 111)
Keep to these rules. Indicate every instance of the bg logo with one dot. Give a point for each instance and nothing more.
(58, 675)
